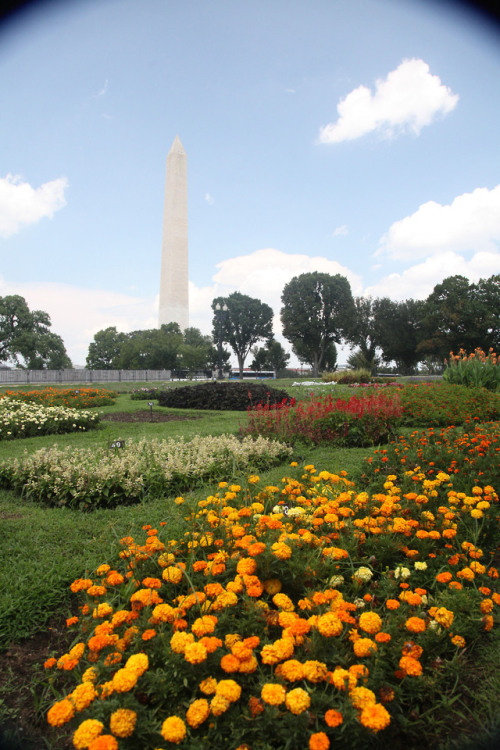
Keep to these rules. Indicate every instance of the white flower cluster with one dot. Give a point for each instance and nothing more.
(363, 575)
(19, 419)
(106, 476)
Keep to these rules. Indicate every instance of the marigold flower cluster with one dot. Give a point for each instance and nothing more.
(254, 620)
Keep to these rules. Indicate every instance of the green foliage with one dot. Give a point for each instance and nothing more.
(363, 334)
(244, 321)
(146, 394)
(473, 371)
(26, 339)
(91, 478)
(317, 312)
(396, 326)
(230, 396)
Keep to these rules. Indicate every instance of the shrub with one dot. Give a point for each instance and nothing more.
(477, 370)
(356, 422)
(145, 394)
(221, 396)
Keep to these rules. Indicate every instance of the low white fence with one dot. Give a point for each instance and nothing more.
(36, 377)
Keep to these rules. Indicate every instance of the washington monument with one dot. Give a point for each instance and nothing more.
(174, 294)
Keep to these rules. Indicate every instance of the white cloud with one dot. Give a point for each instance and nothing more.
(342, 230)
(418, 281)
(21, 204)
(470, 223)
(209, 199)
(407, 100)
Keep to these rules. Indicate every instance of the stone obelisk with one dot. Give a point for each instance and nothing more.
(174, 293)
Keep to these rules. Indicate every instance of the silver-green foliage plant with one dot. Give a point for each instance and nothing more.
(21, 420)
(476, 370)
(90, 478)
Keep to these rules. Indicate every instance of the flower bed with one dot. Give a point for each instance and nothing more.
(476, 370)
(360, 421)
(447, 404)
(21, 420)
(105, 477)
(306, 616)
(79, 398)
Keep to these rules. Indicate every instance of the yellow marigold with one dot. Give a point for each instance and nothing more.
(375, 717)
(444, 617)
(329, 625)
(208, 686)
(124, 680)
(60, 713)
(333, 718)
(172, 574)
(292, 670)
(364, 647)
(204, 625)
(219, 705)
(180, 640)
(315, 671)
(361, 697)
(370, 622)
(86, 732)
(340, 677)
(228, 689)
(415, 625)
(139, 663)
(282, 601)
(272, 586)
(319, 741)
(281, 550)
(122, 722)
(284, 648)
(297, 701)
(102, 610)
(246, 566)
(173, 730)
(195, 653)
(83, 695)
(273, 693)
(197, 712)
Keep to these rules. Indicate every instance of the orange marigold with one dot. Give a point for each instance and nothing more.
(375, 717)
(319, 741)
(333, 718)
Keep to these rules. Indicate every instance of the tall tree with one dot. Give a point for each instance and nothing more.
(104, 350)
(459, 314)
(26, 339)
(195, 350)
(245, 322)
(397, 331)
(363, 333)
(154, 349)
(273, 357)
(317, 311)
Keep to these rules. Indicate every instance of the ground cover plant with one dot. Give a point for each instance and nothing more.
(297, 616)
(234, 396)
(22, 420)
(146, 393)
(358, 421)
(125, 473)
(79, 397)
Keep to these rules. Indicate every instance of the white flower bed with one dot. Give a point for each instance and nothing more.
(19, 419)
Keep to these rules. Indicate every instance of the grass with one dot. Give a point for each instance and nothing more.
(43, 550)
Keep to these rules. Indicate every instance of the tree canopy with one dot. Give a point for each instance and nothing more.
(318, 311)
(270, 357)
(245, 322)
(26, 339)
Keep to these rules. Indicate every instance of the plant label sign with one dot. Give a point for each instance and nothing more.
(116, 444)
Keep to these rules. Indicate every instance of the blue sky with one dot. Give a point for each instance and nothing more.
(349, 136)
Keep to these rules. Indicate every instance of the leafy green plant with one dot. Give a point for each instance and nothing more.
(347, 377)
(476, 370)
